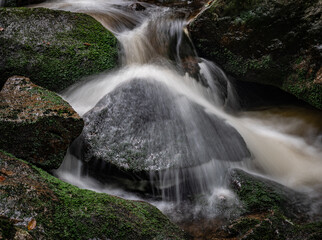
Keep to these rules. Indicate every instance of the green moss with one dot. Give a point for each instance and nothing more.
(301, 85)
(257, 195)
(54, 56)
(260, 41)
(83, 214)
(53, 100)
(64, 211)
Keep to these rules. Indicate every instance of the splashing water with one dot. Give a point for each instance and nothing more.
(156, 51)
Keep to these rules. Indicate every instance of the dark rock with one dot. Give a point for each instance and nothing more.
(19, 3)
(270, 42)
(272, 211)
(36, 124)
(63, 211)
(137, 7)
(144, 127)
(46, 44)
(262, 195)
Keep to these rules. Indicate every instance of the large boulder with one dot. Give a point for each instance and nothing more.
(36, 124)
(36, 205)
(54, 48)
(143, 127)
(271, 42)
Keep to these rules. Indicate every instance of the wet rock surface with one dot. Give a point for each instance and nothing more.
(144, 126)
(259, 194)
(270, 42)
(36, 205)
(54, 48)
(36, 124)
(269, 210)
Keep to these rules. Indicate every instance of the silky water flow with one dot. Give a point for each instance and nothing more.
(174, 119)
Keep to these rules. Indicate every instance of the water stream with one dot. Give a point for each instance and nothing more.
(178, 117)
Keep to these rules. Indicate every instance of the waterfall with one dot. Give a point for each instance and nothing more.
(174, 117)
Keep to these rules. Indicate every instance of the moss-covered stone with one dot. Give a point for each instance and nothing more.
(262, 195)
(271, 42)
(54, 48)
(63, 211)
(36, 124)
(271, 211)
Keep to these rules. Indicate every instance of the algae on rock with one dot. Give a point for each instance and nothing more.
(54, 48)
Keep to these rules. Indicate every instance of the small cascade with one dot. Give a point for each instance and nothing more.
(161, 125)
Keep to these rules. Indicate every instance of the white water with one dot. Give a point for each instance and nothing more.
(293, 160)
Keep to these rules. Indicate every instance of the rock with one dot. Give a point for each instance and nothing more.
(272, 211)
(46, 44)
(146, 127)
(262, 195)
(36, 124)
(137, 7)
(19, 3)
(63, 211)
(271, 42)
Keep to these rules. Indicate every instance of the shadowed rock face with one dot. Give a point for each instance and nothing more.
(36, 124)
(271, 42)
(144, 126)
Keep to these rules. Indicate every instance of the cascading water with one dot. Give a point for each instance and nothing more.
(158, 124)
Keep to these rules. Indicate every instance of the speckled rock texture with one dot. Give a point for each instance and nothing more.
(36, 124)
(36, 205)
(54, 48)
(275, 42)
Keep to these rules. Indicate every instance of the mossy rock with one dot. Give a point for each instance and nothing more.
(54, 48)
(36, 124)
(57, 210)
(262, 195)
(271, 210)
(270, 42)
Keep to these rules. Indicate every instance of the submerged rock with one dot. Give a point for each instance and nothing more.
(271, 42)
(54, 48)
(36, 204)
(36, 124)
